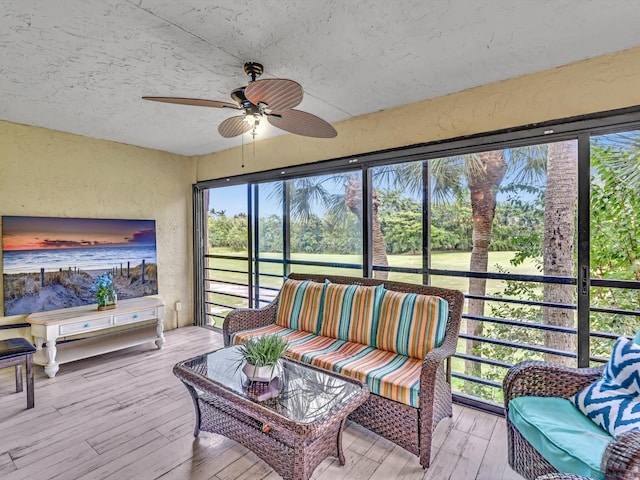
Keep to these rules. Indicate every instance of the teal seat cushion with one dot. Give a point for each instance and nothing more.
(561, 433)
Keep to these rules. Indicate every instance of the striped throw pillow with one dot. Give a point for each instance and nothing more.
(349, 312)
(613, 401)
(299, 305)
(411, 324)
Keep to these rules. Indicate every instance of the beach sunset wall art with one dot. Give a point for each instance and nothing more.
(50, 263)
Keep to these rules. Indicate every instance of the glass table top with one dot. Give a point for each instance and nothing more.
(299, 393)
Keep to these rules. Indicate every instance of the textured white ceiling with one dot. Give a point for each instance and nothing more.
(81, 66)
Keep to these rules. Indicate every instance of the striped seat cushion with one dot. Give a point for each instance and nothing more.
(349, 312)
(411, 324)
(299, 306)
(302, 346)
(393, 376)
(388, 374)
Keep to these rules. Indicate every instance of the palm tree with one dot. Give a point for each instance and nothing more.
(317, 190)
(480, 174)
(483, 173)
(353, 201)
(559, 234)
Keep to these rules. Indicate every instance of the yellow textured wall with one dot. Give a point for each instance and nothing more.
(603, 83)
(49, 173)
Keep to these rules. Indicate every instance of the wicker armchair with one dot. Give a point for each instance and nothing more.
(621, 460)
(410, 428)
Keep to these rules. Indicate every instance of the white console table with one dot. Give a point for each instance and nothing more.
(136, 313)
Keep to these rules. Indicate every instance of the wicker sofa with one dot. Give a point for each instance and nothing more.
(621, 459)
(410, 427)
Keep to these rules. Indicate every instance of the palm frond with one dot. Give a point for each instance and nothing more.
(527, 165)
(446, 178)
(337, 211)
(404, 176)
(303, 200)
(624, 156)
(274, 190)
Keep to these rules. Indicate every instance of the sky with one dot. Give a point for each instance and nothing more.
(233, 199)
(50, 233)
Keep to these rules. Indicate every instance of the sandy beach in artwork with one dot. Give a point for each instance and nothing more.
(25, 292)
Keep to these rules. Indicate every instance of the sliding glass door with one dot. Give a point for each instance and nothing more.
(540, 231)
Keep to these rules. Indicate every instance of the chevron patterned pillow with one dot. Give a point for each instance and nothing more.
(613, 401)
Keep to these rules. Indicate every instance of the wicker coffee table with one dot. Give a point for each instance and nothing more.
(292, 423)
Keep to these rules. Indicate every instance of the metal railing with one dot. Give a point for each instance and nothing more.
(527, 350)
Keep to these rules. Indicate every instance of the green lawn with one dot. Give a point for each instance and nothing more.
(439, 260)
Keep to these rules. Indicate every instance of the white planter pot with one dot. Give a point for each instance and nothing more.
(260, 374)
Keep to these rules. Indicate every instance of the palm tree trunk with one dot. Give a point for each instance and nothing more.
(559, 234)
(353, 199)
(482, 185)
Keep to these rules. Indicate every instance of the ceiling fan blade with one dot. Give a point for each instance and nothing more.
(278, 93)
(196, 102)
(302, 123)
(234, 126)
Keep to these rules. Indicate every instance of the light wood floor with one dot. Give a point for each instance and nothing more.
(125, 416)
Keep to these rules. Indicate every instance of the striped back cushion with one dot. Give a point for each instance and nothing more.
(350, 312)
(411, 324)
(299, 305)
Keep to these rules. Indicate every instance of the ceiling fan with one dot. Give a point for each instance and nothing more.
(274, 98)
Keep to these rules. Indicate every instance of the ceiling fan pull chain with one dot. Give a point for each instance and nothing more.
(242, 148)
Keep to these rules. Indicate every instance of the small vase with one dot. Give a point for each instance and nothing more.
(108, 302)
(260, 374)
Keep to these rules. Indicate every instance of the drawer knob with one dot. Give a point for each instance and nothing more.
(86, 325)
(135, 316)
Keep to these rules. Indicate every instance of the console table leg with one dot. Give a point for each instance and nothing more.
(40, 356)
(51, 368)
(160, 333)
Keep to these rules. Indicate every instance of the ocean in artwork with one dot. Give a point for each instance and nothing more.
(104, 258)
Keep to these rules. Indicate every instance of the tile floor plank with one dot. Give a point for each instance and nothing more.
(124, 415)
(6, 465)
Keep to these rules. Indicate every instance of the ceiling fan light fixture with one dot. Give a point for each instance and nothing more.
(253, 121)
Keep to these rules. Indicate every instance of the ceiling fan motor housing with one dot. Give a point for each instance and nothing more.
(253, 69)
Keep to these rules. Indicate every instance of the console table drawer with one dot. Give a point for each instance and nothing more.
(140, 316)
(87, 325)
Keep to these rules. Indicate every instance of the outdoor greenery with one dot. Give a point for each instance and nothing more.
(401, 224)
(500, 211)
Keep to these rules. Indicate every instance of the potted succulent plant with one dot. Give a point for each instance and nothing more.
(262, 357)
